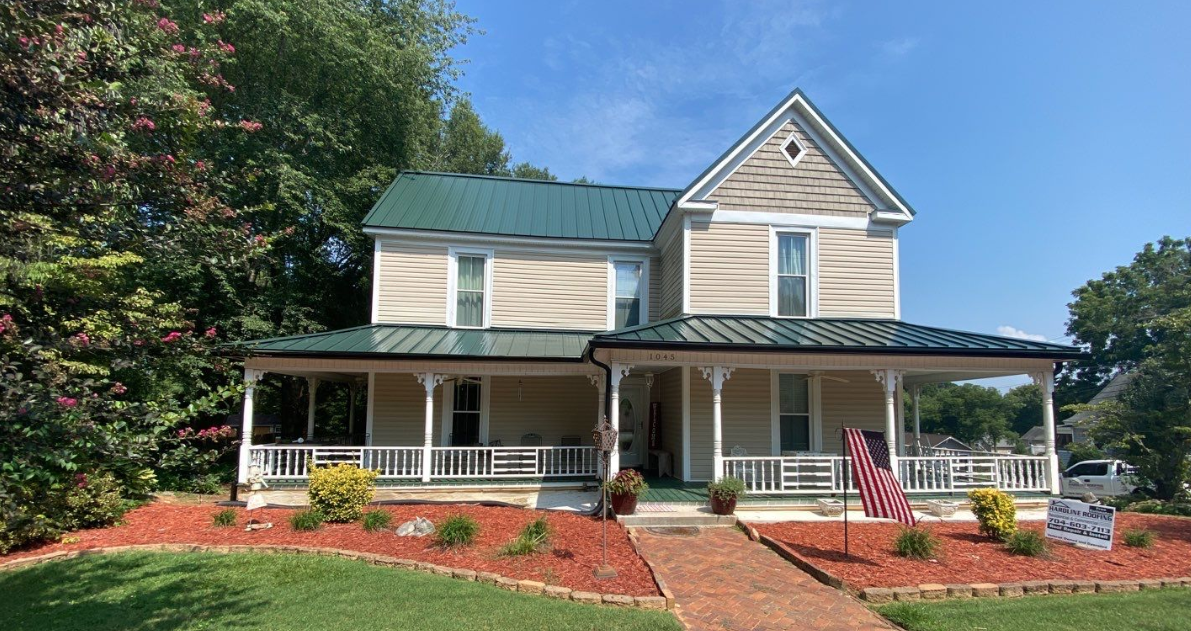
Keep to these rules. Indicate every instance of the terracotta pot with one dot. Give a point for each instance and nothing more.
(624, 503)
(723, 506)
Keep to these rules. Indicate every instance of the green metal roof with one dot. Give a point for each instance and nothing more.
(822, 335)
(449, 202)
(429, 342)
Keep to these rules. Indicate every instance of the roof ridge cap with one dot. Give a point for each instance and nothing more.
(529, 180)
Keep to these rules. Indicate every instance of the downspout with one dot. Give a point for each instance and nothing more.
(607, 378)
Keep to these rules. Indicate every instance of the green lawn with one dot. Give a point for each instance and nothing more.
(1158, 610)
(148, 591)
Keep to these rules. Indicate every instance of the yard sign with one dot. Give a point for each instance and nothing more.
(1081, 523)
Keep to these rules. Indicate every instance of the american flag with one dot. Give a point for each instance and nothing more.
(880, 492)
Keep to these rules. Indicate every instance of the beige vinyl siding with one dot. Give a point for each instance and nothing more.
(729, 271)
(655, 289)
(545, 290)
(413, 283)
(767, 182)
(668, 390)
(399, 410)
(860, 403)
(551, 407)
(856, 273)
(746, 416)
(670, 298)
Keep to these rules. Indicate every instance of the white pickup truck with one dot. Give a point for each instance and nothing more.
(1104, 478)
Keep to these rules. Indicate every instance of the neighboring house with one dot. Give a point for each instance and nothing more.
(1074, 429)
(927, 444)
(752, 315)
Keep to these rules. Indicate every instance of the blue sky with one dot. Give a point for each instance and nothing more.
(1041, 143)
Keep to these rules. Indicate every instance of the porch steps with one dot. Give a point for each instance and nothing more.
(675, 519)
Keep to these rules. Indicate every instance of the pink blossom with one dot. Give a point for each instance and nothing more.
(213, 18)
(172, 337)
(67, 402)
(200, 165)
(144, 124)
(259, 239)
(250, 126)
(210, 332)
(5, 322)
(82, 55)
(119, 388)
(178, 48)
(226, 47)
(81, 339)
(166, 25)
(80, 479)
(138, 342)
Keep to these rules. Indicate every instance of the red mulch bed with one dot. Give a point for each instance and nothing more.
(574, 553)
(968, 557)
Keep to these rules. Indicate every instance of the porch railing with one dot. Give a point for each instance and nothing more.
(292, 461)
(811, 475)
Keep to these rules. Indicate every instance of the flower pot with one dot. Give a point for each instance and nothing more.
(624, 503)
(721, 506)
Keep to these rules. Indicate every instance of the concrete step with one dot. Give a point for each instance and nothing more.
(675, 519)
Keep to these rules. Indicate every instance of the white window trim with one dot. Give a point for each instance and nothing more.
(643, 261)
(812, 281)
(453, 254)
(815, 387)
(448, 408)
(792, 139)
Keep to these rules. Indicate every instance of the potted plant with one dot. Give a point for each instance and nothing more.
(624, 487)
(723, 494)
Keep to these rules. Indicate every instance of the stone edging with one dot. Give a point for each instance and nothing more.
(657, 580)
(504, 582)
(935, 591)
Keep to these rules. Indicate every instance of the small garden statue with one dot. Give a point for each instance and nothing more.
(256, 482)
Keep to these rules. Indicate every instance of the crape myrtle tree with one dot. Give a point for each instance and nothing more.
(1138, 318)
(109, 193)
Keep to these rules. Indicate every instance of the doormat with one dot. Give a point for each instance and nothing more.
(673, 531)
(656, 507)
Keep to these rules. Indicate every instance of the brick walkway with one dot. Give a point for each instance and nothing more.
(723, 581)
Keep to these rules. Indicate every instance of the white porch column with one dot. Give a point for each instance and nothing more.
(890, 379)
(915, 390)
(251, 376)
(1046, 383)
(619, 371)
(717, 375)
(428, 380)
(312, 388)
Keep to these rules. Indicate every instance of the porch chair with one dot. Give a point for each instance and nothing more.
(570, 440)
(531, 440)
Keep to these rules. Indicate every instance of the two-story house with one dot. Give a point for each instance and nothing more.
(734, 326)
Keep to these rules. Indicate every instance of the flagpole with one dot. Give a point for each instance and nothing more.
(845, 441)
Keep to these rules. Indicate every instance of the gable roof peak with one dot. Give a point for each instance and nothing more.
(798, 107)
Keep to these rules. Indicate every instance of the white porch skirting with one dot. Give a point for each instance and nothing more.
(292, 462)
(819, 475)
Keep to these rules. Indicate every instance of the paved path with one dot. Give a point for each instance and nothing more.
(722, 581)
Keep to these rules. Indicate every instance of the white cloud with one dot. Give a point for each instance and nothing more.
(1009, 331)
(898, 48)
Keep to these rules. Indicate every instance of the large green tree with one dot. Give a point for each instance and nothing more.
(976, 415)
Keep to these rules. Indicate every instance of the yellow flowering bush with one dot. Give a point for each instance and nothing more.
(341, 492)
(996, 512)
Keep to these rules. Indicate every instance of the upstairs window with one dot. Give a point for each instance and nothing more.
(793, 275)
(471, 288)
(628, 295)
(628, 292)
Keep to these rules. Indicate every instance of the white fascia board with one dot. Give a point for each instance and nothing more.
(536, 244)
(793, 220)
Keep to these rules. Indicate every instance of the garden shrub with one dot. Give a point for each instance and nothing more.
(457, 531)
(306, 520)
(1027, 543)
(378, 519)
(1159, 507)
(533, 537)
(996, 512)
(626, 481)
(1139, 538)
(224, 518)
(93, 501)
(341, 492)
(916, 543)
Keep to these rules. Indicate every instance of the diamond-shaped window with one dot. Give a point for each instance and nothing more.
(793, 150)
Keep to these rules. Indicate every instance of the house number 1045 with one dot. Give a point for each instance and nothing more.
(663, 356)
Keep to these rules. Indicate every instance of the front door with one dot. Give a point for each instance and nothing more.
(633, 408)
